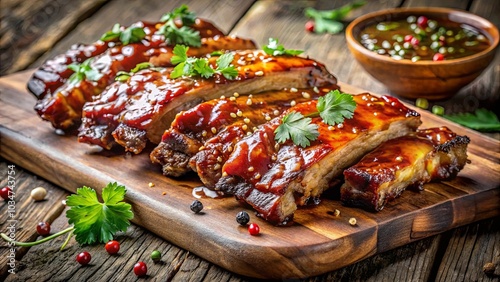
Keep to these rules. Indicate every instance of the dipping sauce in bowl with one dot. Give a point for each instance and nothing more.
(423, 52)
(420, 38)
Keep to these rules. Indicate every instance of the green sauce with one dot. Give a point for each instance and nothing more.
(419, 38)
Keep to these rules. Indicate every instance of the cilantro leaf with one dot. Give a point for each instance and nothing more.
(482, 120)
(275, 49)
(95, 221)
(183, 35)
(129, 35)
(83, 71)
(329, 21)
(298, 128)
(190, 66)
(335, 106)
(123, 75)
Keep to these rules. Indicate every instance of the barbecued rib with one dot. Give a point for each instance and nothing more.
(144, 107)
(63, 109)
(275, 178)
(54, 72)
(382, 175)
(201, 138)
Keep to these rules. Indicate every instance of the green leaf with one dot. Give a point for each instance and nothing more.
(225, 60)
(482, 120)
(180, 54)
(112, 34)
(95, 221)
(298, 128)
(229, 72)
(183, 35)
(141, 66)
(335, 106)
(131, 34)
(83, 71)
(329, 21)
(202, 67)
(178, 71)
(327, 26)
(276, 49)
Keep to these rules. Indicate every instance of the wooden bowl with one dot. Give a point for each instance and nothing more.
(428, 79)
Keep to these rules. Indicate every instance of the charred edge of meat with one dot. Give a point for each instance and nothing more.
(168, 157)
(132, 139)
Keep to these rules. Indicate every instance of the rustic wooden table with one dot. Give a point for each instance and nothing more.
(31, 32)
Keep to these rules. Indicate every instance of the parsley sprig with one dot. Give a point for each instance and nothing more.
(129, 35)
(481, 119)
(191, 66)
(83, 71)
(329, 21)
(276, 49)
(184, 34)
(123, 75)
(93, 221)
(333, 108)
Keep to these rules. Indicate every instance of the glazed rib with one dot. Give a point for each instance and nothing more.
(201, 138)
(382, 175)
(274, 178)
(62, 102)
(144, 107)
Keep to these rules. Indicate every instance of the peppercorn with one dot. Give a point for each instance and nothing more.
(196, 206)
(242, 218)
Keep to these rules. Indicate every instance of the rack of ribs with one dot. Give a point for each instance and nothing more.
(410, 161)
(61, 100)
(142, 108)
(275, 178)
(201, 139)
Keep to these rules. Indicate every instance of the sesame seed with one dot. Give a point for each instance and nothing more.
(236, 94)
(217, 167)
(249, 102)
(399, 158)
(214, 130)
(331, 128)
(219, 159)
(223, 97)
(306, 95)
(239, 113)
(251, 169)
(224, 174)
(293, 103)
(244, 127)
(257, 176)
(250, 96)
(232, 98)
(316, 89)
(375, 113)
(151, 184)
(368, 104)
(352, 221)
(274, 158)
(277, 146)
(230, 149)
(293, 89)
(268, 118)
(340, 125)
(204, 133)
(354, 130)
(276, 112)
(259, 73)
(265, 135)
(254, 129)
(249, 133)
(246, 120)
(201, 148)
(233, 115)
(336, 212)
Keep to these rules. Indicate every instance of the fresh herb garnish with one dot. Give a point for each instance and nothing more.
(276, 49)
(329, 21)
(123, 75)
(92, 220)
(190, 66)
(83, 71)
(129, 35)
(482, 120)
(183, 35)
(333, 108)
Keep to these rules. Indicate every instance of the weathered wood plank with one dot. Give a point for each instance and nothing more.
(223, 13)
(30, 28)
(26, 212)
(469, 249)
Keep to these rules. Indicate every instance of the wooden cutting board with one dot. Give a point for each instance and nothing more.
(318, 242)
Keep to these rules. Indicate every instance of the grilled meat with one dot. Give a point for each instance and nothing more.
(274, 178)
(202, 138)
(143, 108)
(382, 175)
(61, 101)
